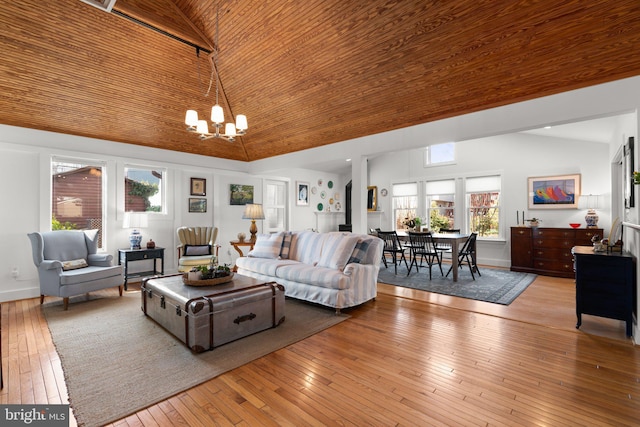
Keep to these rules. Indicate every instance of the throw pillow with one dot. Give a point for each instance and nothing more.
(307, 247)
(194, 250)
(359, 252)
(286, 245)
(337, 249)
(267, 246)
(74, 264)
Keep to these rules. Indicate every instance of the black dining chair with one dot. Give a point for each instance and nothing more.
(423, 246)
(445, 247)
(392, 246)
(468, 255)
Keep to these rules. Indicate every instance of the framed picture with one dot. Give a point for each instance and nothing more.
(240, 194)
(198, 187)
(197, 205)
(554, 192)
(629, 199)
(302, 194)
(372, 198)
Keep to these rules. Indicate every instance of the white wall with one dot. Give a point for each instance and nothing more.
(516, 157)
(25, 156)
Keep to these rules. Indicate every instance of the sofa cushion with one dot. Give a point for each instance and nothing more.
(267, 246)
(316, 276)
(265, 266)
(194, 250)
(337, 249)
(197, 260)
(89, 274)
(307, 247)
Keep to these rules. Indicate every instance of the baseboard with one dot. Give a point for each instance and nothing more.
(27, 291)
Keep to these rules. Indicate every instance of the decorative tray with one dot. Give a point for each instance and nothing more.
(207, 282)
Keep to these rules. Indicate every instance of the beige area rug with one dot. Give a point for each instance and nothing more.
(117, 361)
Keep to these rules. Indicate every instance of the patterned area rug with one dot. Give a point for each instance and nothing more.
(495, 285)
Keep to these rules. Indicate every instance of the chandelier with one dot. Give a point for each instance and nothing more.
(231, 130)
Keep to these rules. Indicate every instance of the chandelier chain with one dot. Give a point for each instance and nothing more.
(205, 93)
(216, 48)
(231, 130)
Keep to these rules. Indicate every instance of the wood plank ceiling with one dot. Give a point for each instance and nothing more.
(306, 73)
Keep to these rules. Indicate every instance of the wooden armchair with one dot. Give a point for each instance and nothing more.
(197, 246)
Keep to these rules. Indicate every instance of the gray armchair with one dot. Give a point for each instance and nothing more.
(68, 264)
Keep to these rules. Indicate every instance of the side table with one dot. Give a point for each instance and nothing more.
(125, 256)
(237, 244)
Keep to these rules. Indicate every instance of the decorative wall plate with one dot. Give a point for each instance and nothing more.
(330, 184)
(336, 196)
(314, 190)
(320, 207)
(319, 181)
(383, 192)
(331, 201)
(338, 206)
(323, 194)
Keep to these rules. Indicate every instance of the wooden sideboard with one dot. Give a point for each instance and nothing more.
(547, 250)
(605, 285)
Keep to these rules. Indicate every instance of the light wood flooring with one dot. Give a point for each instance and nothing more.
(408, 358)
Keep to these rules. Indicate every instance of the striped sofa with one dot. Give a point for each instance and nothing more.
(335, 269)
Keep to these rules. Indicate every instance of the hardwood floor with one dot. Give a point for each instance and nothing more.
(409, 358)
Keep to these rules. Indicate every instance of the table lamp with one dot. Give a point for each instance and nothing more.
(135, 220)
(590, 202)
(253, 211)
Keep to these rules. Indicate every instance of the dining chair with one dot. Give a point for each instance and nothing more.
(423, 246)
(392, 246)
(445, 247)
(468, 255)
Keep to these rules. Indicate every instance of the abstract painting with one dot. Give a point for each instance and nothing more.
(554, 192)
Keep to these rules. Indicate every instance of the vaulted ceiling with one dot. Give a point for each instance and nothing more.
(306, 73)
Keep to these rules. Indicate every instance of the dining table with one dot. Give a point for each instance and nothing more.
(454, 239)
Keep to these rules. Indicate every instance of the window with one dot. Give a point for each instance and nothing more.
(405, 203)
(275, 204)
(440, 198)
(483, 205)
(144, 189)
(440, 154)
(77, 196)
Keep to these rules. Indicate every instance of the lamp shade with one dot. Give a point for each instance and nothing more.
(191, 118)
(230, 129)
(253, 211)
(135, 220)
(241, 122)
(203, 127)
(589, 201)
(217, 114)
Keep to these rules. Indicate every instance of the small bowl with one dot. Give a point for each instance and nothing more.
(574, 225)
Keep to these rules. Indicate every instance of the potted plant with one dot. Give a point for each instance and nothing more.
(534, 222)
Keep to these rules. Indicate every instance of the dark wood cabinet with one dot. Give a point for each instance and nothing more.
(547, 250)
(605, 285)
(521, 249)
(125, 256)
